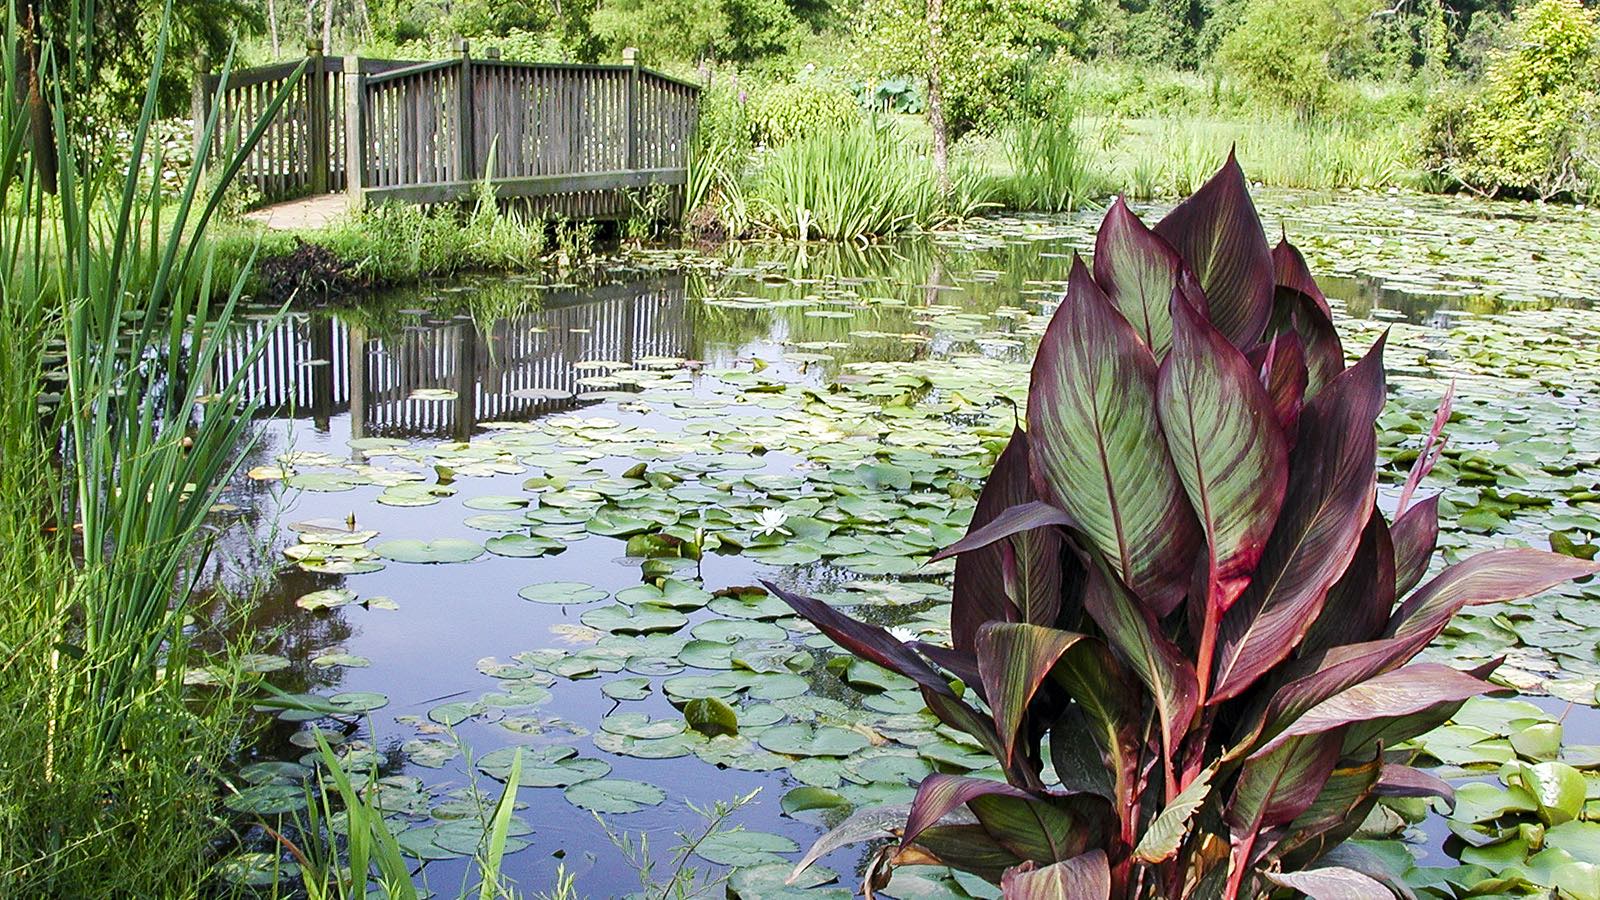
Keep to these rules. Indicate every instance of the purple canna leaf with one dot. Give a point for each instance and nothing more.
(978, 596)
(1011, 521)
(1274, 789)
(1298, 314)
(1218, 234)
(1138, 270)
(1360, 602)
(874, 644)
(1289, 270)
(1133, 632)
(870, 642)
(1407, 781)
(1431, 450)
(1348, 787)
(1226, 446)
(1014, 659)
(1097, 449)
(1106, 707)
(1084, 877)
(1489, 577)
(1402, 692)
(1332, 485)
(1281, 366)
(1415, 533)
(1331, 883)
(1042, 827)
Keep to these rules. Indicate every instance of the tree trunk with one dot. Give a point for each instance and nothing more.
(327, 26)
(941, 130)
(272, 26)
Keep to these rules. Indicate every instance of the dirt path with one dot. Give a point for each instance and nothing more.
(305, 214)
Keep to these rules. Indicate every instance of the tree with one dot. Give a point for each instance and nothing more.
(1292, 51)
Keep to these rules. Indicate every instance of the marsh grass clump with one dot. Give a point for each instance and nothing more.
(854, 183)
(1178, 589)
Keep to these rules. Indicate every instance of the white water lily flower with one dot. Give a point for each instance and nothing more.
(771, 521)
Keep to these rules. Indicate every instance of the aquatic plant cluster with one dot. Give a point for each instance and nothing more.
(1178, 590)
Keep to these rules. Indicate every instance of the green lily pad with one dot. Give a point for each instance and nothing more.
(443, 550)
(745, 848)
(562, 592)
(812, 740)
(614, 795)
(646, 618)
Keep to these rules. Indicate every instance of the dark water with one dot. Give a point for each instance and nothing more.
(329, 377)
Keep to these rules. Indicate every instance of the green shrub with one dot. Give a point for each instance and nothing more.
(1293, 51)
(794, 109)
(1532, 126)
(739, 30)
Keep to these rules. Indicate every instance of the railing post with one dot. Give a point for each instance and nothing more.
(630, 57)
(355, 135)
(317, 114)
(200, 105)
(464, 117)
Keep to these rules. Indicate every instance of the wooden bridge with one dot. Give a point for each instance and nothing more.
(567, 139)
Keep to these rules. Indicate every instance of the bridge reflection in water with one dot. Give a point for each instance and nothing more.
(322, 365)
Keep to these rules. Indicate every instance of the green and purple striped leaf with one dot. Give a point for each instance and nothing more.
(1402, 692)
(1415, 533)
(1275, 788)
(979, 594)
(1360, 602)
(1097, 449)
(1332, 486)
(1045, 828)
(1298, 314)
(1107, 708)
(1085, 877)
(1217, 232)
(1490, 577)
(1226, 445)
(1138, 270)
(1281, 365)
(1132, 631)
(1014, 659)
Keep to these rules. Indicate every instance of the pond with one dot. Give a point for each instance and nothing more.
(507, 513)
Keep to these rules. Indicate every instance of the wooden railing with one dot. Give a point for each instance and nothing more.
(573, 139)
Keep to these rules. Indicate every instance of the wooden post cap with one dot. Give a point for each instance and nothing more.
(630, 55)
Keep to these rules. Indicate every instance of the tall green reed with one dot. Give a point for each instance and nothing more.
(1051, 164)
(853, 183)
(104, 497)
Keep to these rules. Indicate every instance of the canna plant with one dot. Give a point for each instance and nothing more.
(1178, 589)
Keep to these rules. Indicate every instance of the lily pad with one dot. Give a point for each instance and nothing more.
(614, 795)
(443, 550)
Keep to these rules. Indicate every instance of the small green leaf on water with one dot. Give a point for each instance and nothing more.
(806, 798)
(711, 716)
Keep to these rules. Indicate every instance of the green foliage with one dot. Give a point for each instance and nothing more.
(1177, 588)
(987, 46)
(1533, 126)
(851, 184)
(107, 786)
(792, 109)
(736, 30)
(1292, 51)
(1051, 168)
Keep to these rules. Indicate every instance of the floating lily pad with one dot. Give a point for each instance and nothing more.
(646, 618)
(443, 550)
(614, 795)
(745, 848)
(562, 592)
(809, 740)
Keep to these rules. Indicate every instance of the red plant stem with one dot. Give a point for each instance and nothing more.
(1208, 644)
(1239, 862)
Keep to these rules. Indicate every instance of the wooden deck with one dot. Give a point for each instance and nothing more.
(576, 140)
